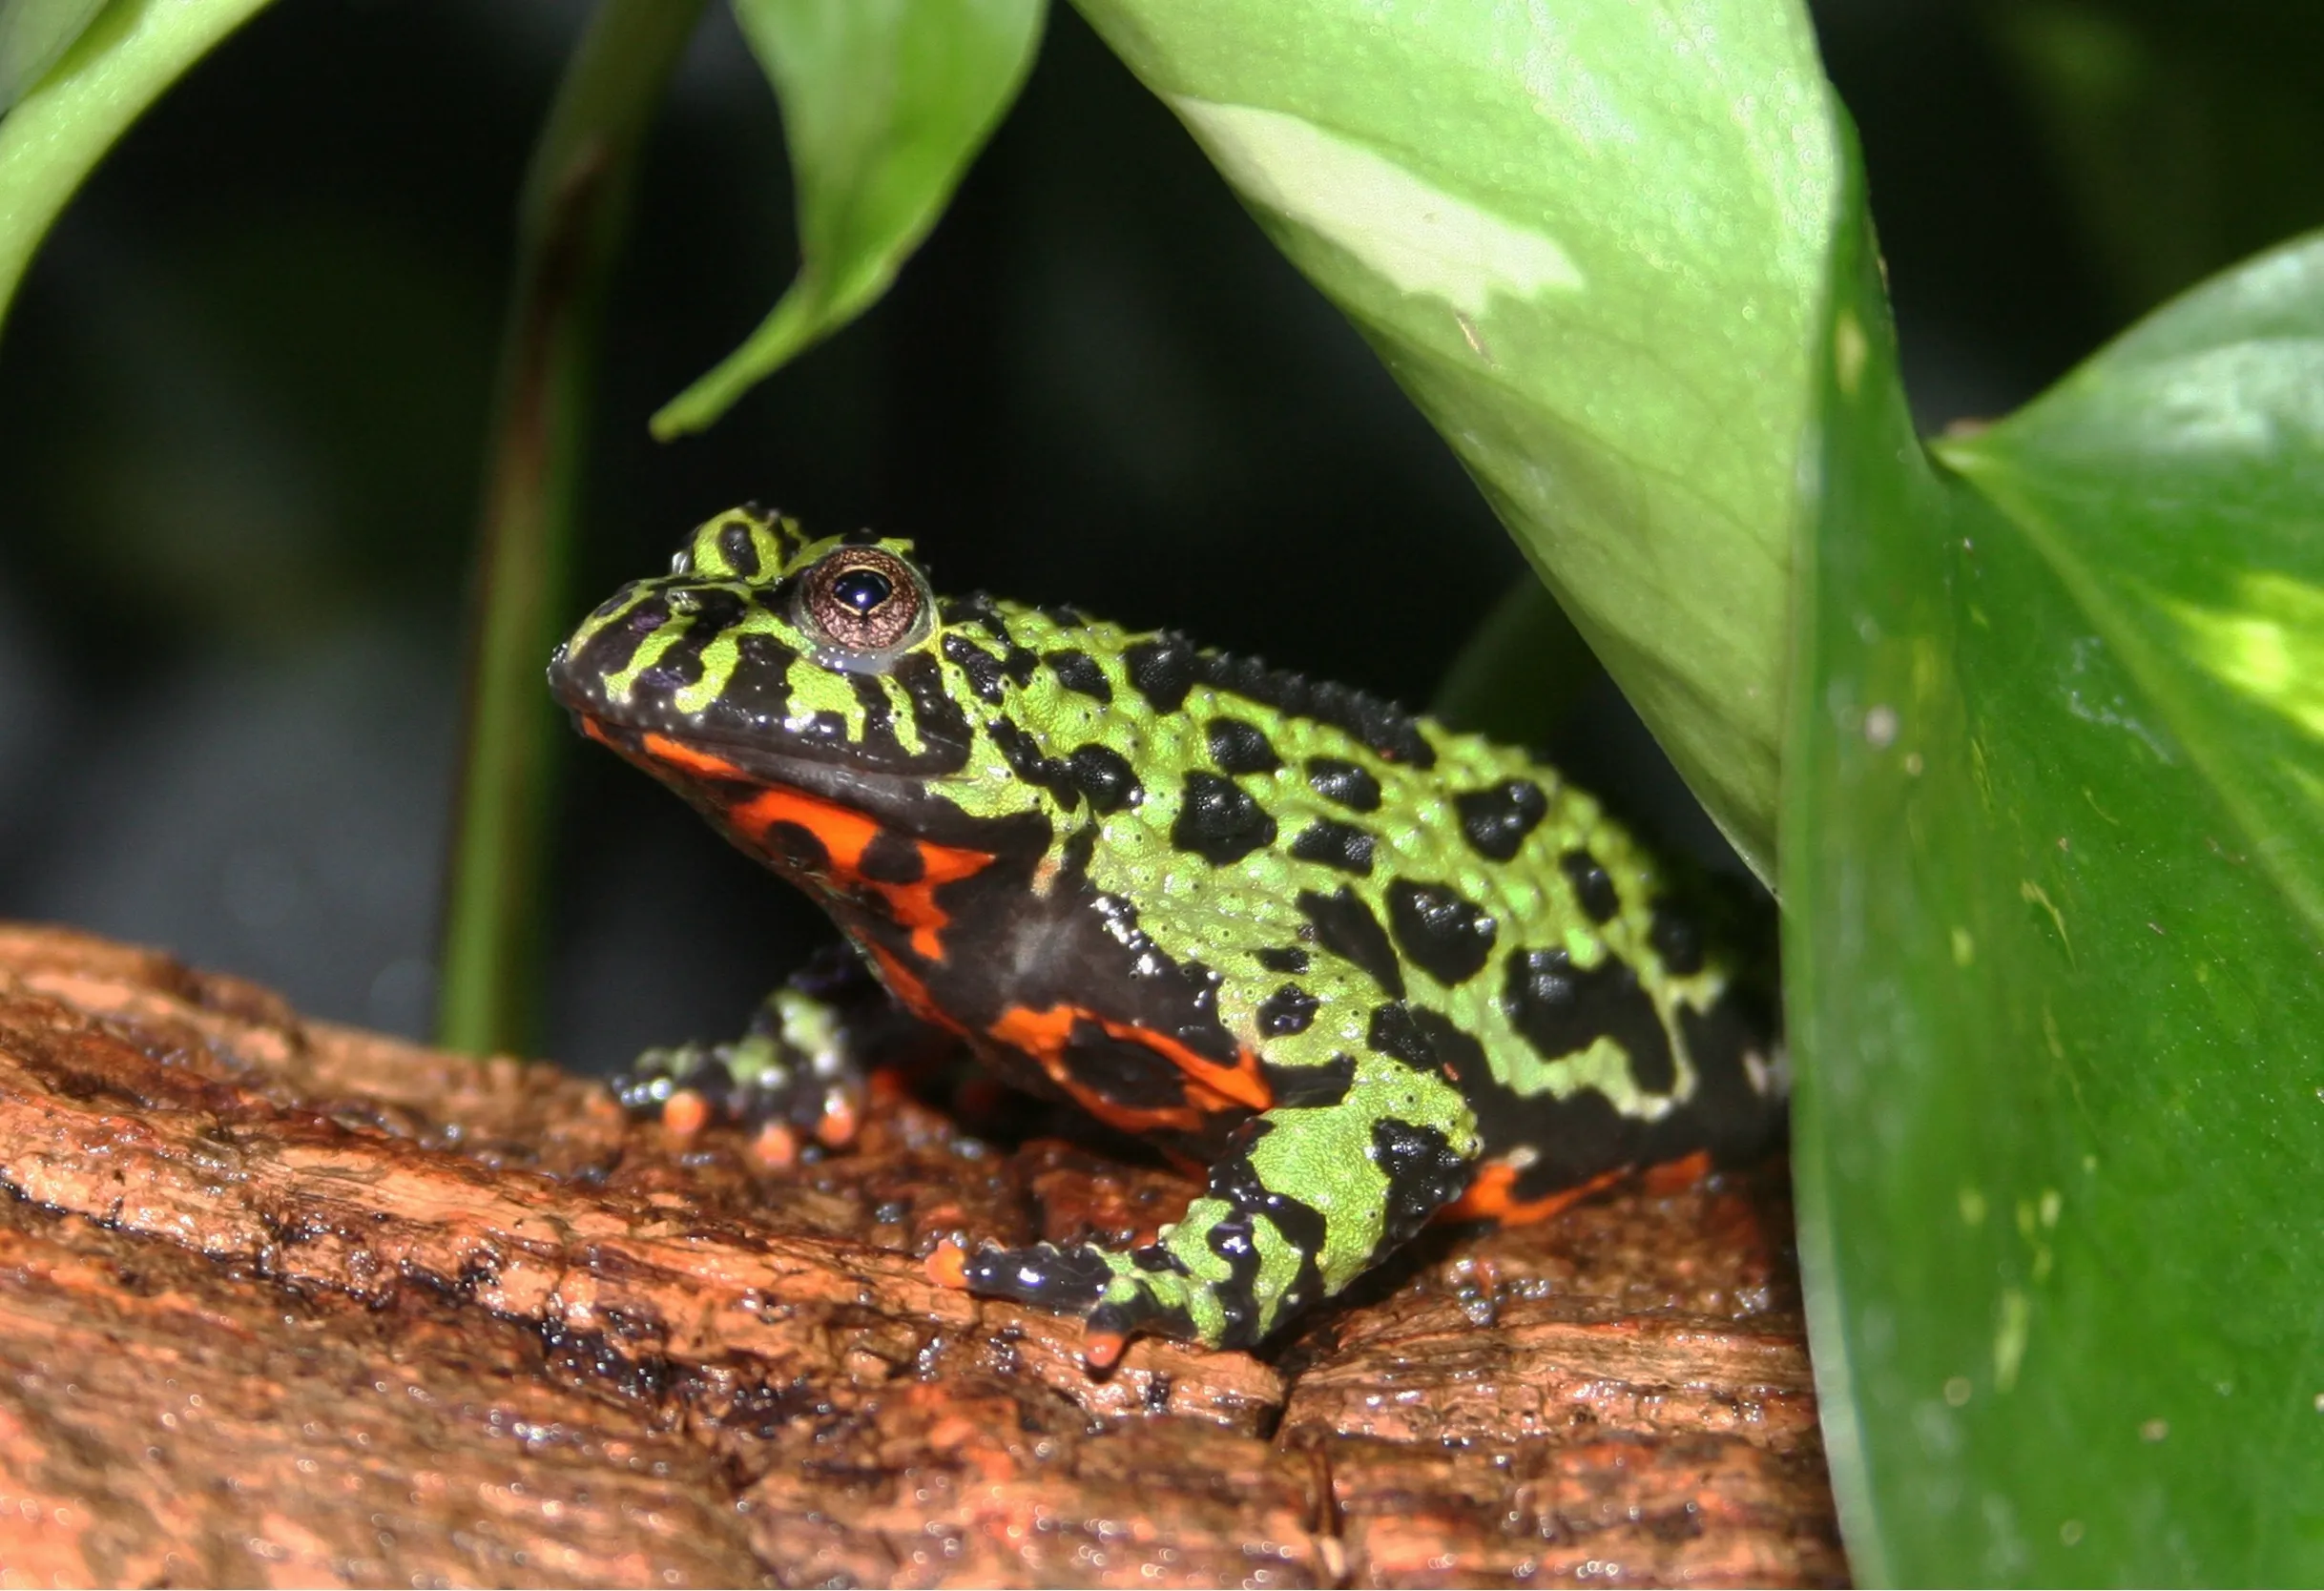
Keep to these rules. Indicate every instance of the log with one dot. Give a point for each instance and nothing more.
(288, 1303)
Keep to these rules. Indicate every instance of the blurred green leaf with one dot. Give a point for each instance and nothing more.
(54, 135)
(1522, 671)
(572, 218)
(1588, 239)
(2050, 853)
(885, 103)
(33, 34)
(2190, 132)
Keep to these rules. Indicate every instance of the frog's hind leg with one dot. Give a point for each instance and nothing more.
(1367, 1139)
(799, 1074)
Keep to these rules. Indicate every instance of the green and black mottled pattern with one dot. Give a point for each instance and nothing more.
(1428, 951)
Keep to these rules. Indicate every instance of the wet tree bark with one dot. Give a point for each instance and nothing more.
(285, 1303)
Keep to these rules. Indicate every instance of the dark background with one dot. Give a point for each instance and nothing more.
(243, 390)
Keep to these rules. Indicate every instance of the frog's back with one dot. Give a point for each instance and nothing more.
(1277, 826)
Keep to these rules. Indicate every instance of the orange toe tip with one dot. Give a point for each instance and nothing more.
(775, 1148)
(947, 1266)
(839, 1126)
(686, 1114)
(1102, 1350)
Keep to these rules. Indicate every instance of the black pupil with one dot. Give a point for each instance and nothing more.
(862, 589)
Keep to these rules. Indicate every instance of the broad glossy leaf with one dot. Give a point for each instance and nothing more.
(2056, 993)
(885, 103)
(1588, 239)
(54, 135)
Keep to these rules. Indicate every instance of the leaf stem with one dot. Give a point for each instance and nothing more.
(572, 219)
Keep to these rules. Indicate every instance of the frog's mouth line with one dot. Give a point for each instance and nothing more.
(845, 772)
(774, 754)
(721, 779)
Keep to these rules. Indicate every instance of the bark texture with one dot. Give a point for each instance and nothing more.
(285, 1303)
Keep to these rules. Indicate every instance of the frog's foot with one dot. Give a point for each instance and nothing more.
(799, 1075)
(784, 1094)
(1116, 1294)
(1233, 1269)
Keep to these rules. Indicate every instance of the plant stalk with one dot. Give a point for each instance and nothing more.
(572, 218)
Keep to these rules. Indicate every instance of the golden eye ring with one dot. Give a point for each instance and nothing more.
(861, 599)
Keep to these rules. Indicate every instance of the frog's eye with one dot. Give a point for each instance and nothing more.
(862, 599)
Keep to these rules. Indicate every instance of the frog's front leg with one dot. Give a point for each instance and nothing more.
(1365, 1143)
(799, 1072)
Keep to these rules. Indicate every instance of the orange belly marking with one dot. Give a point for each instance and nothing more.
(1210, 1088)
(1492, 1196)
(845, 834)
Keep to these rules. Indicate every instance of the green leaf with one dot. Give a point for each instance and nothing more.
(33, 34)
(2050, 853)
(2189, 131)
(885, 103)
(54, 135)
(1523, 670)
(1588, 239)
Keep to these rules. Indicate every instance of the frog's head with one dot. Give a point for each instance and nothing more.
(783, 685)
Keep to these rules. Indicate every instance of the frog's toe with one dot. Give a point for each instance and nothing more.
(781, 1100)
(1070, 1280)
(1109, 1290)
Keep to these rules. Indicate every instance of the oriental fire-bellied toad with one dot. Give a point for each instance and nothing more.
(1366, 970)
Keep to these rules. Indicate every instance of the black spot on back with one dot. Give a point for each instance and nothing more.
(984, 670)
(1289, 1010)
(1458, 1052)
(1218, 820)
(1310, 1088)
(980, 610)
(1591, 886)
(1077, 671)
(1386, 728)
(1289, 959)
(1441, 930)
(1104, 777)
(1677, 940)
(1561, 1009)
(1238, 747)
(1161, 668)
(1497, 820)
(1345, 926)
(1343, 783)
(1393, 1032)
(1335, 844)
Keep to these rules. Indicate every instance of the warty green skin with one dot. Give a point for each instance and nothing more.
(1429, 951)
